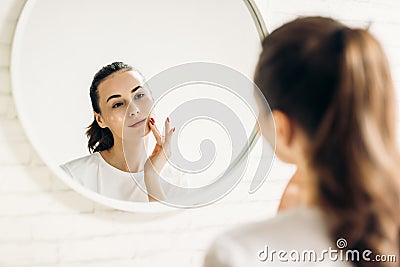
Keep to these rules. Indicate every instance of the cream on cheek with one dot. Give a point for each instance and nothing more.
(112, 114)
(114, 119)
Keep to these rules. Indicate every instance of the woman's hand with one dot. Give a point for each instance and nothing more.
(157, 160)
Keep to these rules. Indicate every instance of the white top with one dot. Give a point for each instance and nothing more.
(298, 232)
(95, 173)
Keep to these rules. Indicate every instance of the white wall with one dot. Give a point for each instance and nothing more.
(44, 223)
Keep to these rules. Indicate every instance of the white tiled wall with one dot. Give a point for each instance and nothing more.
(44, 223)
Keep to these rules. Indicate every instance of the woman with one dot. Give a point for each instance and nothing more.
(118, 138)
(332, 100)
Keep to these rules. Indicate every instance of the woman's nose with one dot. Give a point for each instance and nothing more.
(133, 110)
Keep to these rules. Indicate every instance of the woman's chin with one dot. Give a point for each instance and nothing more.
(132, 132)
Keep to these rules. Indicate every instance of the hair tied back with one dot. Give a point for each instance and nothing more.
(338, 39)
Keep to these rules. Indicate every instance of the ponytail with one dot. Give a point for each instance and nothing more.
(355, 151)
(99, 138)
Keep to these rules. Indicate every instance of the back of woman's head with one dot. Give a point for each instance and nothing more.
(101, 138)
(335, 83)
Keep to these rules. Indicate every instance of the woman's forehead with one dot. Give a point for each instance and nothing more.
(120, 82)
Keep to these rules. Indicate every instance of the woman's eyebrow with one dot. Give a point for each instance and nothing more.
(116, 96)
(136, 88)
(113, 96)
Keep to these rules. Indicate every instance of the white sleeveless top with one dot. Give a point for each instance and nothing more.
(94, 173)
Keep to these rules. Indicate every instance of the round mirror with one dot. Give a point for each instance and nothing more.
(60, 45)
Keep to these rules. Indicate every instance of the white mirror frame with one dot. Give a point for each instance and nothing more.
(113, 203)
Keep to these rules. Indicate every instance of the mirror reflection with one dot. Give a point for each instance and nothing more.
(60, 45)
(121, 108)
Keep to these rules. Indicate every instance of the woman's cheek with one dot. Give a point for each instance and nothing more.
(118, 117)
(116, 122)
(149, 103)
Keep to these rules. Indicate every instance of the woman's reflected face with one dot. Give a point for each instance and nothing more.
(124, 104)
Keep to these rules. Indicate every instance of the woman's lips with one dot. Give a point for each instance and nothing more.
(137, 123)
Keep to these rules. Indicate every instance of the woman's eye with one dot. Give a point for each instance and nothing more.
(116, 105)
(138, 96)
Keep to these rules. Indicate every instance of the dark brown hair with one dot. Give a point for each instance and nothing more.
(101, 138)
(335, 83)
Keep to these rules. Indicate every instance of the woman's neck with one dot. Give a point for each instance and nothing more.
(307, 184)
(300, 190)
(127, 156)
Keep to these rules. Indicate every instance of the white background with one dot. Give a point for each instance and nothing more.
(45, 223)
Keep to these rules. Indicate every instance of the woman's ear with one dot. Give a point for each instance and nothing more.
(285, 137)
(99, 120)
